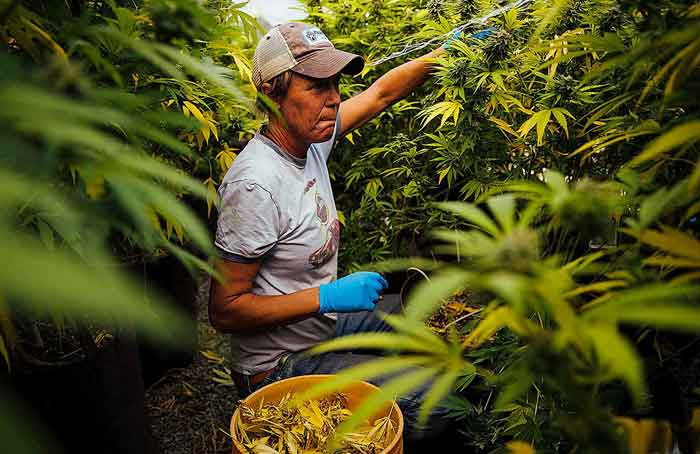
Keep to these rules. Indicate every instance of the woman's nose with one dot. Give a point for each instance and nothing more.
(334, 96)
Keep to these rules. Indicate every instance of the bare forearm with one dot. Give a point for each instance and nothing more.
(399, 82)
(385, 91)
(249, 312)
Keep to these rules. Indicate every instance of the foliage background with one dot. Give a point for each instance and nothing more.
(571, 132)
(120, 118)
(568, 136)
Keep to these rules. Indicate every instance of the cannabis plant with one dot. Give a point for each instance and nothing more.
(98, 153)
(569, 139)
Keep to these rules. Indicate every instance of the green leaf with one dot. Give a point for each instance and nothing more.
(513, 390)
(608, 107)
(694, 180)
(93, 143)
(559, 114)
(472, 214)
(686, 133)
(617, 358)
(5, 353)
(557, 182)
(503, 208)
(663, 200)
(528, 215)
(390, 390)
(542, 123)
(669, 240)
(458, 406)
(166, 203)
(492, 323)
(364, 371)
(46, 235)
(530, 123)
(417, 330)
(551, 287)
(191, 261)
(399, 264)
(57, 282)
(580, 264)
(597, 287)
(466, 376)
(20, 97)
(657, 305)
(429, 295)
(437, 392)
(472, 243)
(673, 316)
(596, 145)
(446, 109)
(512, 287)
(141, 214)
(382, 341)
(674, 262)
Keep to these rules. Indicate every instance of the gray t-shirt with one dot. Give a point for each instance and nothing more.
(280, 209)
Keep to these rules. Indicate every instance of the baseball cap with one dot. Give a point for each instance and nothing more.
(304, 49)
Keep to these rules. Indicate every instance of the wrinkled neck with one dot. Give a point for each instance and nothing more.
(285, 139)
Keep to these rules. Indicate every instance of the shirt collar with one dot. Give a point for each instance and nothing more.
(296, 162)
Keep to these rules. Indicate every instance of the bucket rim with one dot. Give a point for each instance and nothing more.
(238, 446)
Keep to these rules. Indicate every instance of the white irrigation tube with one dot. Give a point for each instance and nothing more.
(463, 317)
(410, 48)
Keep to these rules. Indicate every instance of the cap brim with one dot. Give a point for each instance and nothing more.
(329, 62)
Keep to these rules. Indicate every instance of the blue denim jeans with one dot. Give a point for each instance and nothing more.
(300, 363)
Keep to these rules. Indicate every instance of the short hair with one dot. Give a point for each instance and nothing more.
(280, 85)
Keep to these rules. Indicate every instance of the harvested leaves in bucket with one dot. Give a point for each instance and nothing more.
(288, 427)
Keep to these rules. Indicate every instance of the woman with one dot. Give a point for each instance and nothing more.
(278, 232)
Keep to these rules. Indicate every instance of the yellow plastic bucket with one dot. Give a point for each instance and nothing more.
(356, 393)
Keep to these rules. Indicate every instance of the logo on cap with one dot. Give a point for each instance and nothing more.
(315, 36)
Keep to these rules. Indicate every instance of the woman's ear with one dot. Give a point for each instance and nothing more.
(266, 88)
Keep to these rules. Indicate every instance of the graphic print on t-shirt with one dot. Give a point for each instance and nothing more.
(331, 231)
(309, 184)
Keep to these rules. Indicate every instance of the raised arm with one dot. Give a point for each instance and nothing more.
(393, 86)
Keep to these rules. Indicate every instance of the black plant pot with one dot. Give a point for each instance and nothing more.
(168, 278)
(92, 404)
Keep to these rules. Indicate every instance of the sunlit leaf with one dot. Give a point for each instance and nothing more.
(382, 341)
(688, 132)
(492, 323)
(399, 386)
(503, 208)
(429, 295)
(656, 305)
(618, 358)
(418, 330)
(400, 264)
(364, 371)
(669, 240)
(519, 447)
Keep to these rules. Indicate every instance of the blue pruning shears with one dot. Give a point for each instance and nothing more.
(478, 35)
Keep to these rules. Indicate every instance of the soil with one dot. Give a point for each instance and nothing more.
(189, 411)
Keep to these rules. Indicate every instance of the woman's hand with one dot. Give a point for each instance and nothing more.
(355, 292)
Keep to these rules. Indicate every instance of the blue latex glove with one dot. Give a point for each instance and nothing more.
(355, 292)
(478, 35)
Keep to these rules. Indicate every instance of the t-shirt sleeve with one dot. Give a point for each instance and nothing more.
(326, 147)
(249, 222)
